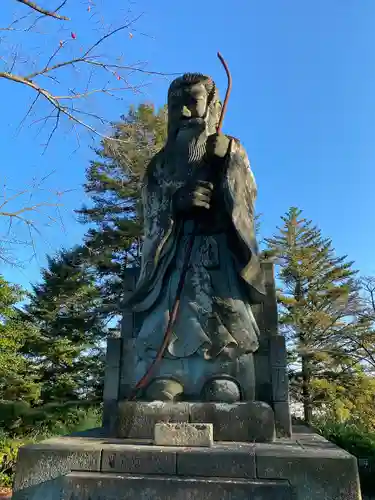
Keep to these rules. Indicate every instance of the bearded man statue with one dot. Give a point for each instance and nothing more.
(201, 178)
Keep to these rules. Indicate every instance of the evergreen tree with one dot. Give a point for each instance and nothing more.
(318, 301)
(81, 288)
(113, 184)
(68, 351)
(18, 380)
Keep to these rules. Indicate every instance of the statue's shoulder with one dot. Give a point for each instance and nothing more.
(239, 165)
(235, 139)
(237, 148)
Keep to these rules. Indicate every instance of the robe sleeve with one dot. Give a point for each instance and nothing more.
(240, 193)
(158, 227)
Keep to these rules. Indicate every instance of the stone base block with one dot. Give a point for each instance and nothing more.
(91, 486)
(167, 434)
(249, 421)
(94, 466)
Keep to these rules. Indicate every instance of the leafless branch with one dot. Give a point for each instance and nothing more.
(88, 61)
(45, 12)
(368, 286)
(28, 213)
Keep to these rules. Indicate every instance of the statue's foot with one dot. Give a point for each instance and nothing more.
(221, 390)
(163, 390)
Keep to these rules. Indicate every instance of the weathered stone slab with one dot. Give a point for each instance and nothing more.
(49, 490)
(250, 422)
(283, 420)
(270, 314)
(315, 468)
(222, 460)
(137, 420)
(263, 390)
(317, 471)
(135, 459)
(53, 458)
(280, 384)
(127, 369)
(277, 350)
(246, 421)
(91, 486)
(112, 378)
(312, 440)
(183, 434)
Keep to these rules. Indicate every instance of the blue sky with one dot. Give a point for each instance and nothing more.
(303, 104)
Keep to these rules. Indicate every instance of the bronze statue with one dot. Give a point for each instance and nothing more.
(202, 179)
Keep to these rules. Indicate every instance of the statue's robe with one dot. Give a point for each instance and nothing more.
(224, 277)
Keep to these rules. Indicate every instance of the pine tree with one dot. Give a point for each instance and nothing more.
(18, 380)
(81, 288)
(113, 184)
(68, 351)
(318, 300)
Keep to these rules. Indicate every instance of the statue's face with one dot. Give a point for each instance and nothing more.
(189, 106)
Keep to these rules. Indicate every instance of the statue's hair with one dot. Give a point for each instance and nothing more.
(175, 88)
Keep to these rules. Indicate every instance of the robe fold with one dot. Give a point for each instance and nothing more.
(162, 228)
(215, 327)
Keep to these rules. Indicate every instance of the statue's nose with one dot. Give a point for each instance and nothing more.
(185, 112)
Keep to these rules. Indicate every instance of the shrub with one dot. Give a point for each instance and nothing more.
(352, 438)
(8, 456)
(21, 425)
(19, 419)
(359, 442)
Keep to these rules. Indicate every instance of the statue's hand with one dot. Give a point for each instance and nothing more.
(217, 145)
(197, 195)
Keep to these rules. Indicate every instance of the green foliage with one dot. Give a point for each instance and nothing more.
(35, 424)
(352, 438)
(8, 457)
(19, 419)
(67, 351)
(17, 378)
(348, 399)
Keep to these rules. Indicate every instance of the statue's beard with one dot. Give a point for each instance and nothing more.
(188, 139)
(191, 142)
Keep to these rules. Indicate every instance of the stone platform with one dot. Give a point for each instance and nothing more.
(251, 421)
(93, 466)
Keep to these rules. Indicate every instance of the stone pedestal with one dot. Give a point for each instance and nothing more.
(92, 466)
(272, 385)
(252, 421)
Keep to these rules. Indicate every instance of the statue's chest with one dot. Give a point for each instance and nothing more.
(187, 171)
(216, 219)
(187, 161)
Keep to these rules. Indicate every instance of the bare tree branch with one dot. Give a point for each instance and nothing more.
(45, 12)
(108, 78)
(15, 208)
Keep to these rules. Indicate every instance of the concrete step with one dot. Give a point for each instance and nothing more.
(111, 486)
